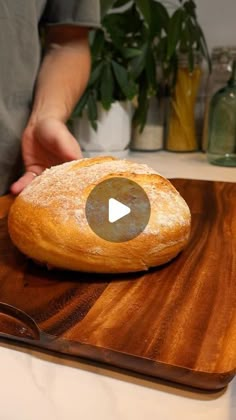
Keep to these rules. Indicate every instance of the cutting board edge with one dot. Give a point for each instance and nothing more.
(202, 379)
(205, 381)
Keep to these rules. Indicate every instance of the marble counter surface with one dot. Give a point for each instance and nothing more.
(40, 386)
(184, 165)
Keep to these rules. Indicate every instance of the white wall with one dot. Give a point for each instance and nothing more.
(218, 21)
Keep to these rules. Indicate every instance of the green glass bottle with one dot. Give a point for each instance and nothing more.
(222, 125)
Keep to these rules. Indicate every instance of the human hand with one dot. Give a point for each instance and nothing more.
(45, 144)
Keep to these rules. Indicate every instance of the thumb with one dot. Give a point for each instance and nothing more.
(22, 182)
(55, 137)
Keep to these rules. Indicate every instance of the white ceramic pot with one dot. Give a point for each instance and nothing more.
(113, 133)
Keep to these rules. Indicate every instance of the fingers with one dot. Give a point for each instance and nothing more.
(22, 182)
(67, 146)
(49, 143)
(56, 138)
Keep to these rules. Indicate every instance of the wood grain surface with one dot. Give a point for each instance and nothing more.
(177, 322)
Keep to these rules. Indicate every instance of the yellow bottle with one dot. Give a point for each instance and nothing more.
(181, 131)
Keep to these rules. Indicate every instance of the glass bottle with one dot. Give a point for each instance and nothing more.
(181, 129)
(222, 125)
(151, 138)
(222, 60)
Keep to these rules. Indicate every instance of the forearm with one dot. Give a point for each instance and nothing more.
(61, 81)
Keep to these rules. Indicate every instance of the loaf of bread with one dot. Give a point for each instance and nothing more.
(47, 221)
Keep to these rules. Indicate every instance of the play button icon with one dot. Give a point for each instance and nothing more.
(117, 209)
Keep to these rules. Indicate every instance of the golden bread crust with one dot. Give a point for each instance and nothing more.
(47, 221)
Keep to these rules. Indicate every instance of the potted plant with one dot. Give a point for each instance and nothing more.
(102, 119)
(145, 67)
(123, 70)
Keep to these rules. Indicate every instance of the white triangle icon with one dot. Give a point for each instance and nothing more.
(117, 210)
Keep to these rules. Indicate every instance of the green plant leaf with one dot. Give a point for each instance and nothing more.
(124, 28)
(204, 48)
(120, 3)
(190, 8)
(184, 41)
(144, 7)
(81, 105)
(160, 17)
(191, 60)
(126, 84)
(96, 74)
(107, 87)
(174, 29)
(151, 70)
(140, 115)
(97, 41)
(130, 52)
(135, 24)
(105, 6)
(192, 33)
(161, 49)
(116, 26)
(138, 63)
(92, 110)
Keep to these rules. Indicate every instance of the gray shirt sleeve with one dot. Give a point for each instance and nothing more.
(75, 12)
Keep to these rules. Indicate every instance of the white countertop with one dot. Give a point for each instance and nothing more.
(39, 386)
(184, 165)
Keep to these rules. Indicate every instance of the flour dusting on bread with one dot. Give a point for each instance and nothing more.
(48, 222)
(64, 186)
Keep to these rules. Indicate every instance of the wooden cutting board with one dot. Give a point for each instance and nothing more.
(176, 322)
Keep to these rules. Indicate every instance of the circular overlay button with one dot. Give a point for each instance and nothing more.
(118, 209)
